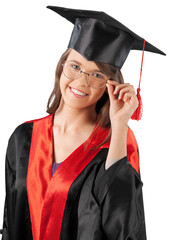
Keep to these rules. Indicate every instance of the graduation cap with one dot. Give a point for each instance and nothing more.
(99, 37)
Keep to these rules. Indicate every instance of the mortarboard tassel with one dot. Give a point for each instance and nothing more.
(137, 115)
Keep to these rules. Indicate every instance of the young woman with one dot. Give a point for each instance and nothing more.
(77, 112)
(74, 174)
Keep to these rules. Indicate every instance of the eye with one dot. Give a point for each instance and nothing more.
(75, 66)
(97, 75)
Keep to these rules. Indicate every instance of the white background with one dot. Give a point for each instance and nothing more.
(32, 40)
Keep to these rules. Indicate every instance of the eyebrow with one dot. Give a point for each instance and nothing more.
(97, 70)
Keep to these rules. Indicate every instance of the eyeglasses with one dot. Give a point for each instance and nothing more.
(94, 79)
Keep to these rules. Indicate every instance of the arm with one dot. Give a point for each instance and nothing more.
(118, 143)
(122, 210)
(118, 191)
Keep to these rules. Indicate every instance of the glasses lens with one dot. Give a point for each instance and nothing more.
(97, 80)
(71, 70)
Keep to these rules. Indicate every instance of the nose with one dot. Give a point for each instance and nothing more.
(84, 76)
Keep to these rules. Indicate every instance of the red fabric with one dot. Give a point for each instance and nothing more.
(39, 170)
(47, 194)
(132, 150)
(137, 115)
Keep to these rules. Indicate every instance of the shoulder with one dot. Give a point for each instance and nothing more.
(20, 141)
(23, 131)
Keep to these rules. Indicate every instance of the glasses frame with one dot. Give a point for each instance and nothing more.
(87, 78)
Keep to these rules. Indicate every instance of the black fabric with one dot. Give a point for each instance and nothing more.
(101, 38)
(100, 42)
(103, 180)
(16, 223)
(105, 204)
(76, 205)
(101, 204)
(121, 202)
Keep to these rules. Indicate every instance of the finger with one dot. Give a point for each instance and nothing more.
(113, 82)
(124, 90)
(110, 92)
(122, 86)
(119, 86)
(129, 97)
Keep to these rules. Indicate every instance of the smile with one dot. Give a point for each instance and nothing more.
(77, 92)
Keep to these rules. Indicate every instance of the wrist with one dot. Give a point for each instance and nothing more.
(115, 123)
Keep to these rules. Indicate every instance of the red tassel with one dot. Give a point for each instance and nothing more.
(137, 115)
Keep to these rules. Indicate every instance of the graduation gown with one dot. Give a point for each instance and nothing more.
(81, 201)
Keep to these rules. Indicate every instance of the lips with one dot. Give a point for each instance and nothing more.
(78, 90)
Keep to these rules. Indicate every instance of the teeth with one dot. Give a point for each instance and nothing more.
(78, 92)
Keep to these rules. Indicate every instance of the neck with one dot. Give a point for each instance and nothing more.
(71, 120)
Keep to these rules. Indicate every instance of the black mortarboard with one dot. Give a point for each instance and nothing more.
(101, 38)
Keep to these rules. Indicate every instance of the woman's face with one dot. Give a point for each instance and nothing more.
(66, 84)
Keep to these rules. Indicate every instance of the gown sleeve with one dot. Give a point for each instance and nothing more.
(118, 191)
(10, 190)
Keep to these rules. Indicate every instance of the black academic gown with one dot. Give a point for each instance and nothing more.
(95, 204)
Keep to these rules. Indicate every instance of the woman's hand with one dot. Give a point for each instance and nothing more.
(123, 106)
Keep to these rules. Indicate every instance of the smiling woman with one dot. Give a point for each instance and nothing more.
(96, 192)
(102, 101)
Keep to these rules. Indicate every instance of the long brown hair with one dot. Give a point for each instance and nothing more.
(102, 106)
